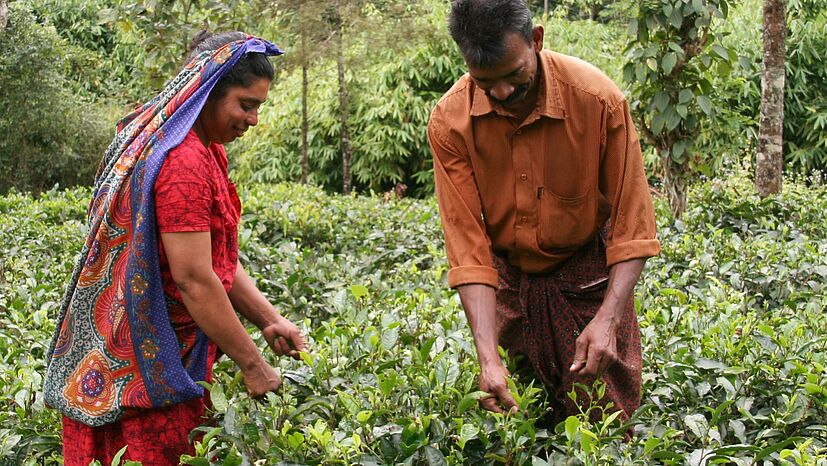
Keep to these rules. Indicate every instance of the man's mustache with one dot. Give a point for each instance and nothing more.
(518, 93)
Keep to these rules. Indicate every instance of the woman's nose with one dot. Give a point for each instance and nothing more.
(252, 118)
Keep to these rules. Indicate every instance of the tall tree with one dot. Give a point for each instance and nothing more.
(344, 134)
(307, 29)
(360, 28)
(770, 158)
(305, 125)
(339, 40)
(4, 13)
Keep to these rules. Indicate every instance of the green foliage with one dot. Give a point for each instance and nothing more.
(805, 94)
(733, 329)
(102, 63)
(49, 134)
(673, 52)
(732, 135)
(162, 31)
(390, 106)
(39, 239)
(105, 54)
(734, 309)
(805, 108)
(591, 41)
(603, 11)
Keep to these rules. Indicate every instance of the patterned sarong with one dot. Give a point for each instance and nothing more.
(541, 316)
(115, 349)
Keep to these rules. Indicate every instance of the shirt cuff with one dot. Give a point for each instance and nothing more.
(473, 274)
(634, 249)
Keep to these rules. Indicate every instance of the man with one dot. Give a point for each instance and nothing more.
(545, 207)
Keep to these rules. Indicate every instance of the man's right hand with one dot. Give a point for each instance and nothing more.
(494, 380)
(260, 378)
(479, 302)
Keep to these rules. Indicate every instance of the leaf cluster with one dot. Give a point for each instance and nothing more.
(673, 51)
(733, 329)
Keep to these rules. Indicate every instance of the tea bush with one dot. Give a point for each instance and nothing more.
(732, 318)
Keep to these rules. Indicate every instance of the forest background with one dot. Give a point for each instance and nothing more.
(367, 74)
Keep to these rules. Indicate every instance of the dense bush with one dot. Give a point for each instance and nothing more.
(596, 43)
(48, 135)
(732, 316)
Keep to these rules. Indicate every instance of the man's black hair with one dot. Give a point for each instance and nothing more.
(479, 27)
(249, 68)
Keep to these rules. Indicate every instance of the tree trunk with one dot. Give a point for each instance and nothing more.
(343, 111)
(675, 186)
(305, 164)
(770, 157)
(4, 14)
(185, 38)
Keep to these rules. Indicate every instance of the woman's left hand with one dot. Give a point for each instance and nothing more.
(284, 338)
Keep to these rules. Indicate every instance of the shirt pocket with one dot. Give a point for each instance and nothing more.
(566, 223)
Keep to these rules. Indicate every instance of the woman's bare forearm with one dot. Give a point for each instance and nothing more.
(250, 302)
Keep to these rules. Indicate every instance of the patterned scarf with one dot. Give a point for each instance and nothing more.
(115, 350)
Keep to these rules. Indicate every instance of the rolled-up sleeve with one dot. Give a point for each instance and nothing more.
(623, 183)
(466, 242)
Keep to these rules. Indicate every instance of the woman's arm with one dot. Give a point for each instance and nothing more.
(190, 262)
(281, 334)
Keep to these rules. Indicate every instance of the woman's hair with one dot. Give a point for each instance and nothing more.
(250, 67)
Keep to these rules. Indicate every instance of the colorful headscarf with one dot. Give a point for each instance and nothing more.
(114, 349)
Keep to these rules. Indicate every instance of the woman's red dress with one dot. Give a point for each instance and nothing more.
(193, 193)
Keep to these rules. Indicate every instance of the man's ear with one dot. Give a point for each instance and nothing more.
(537, 38)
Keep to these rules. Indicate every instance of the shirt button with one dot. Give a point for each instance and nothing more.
(523, 219)
(519, 131)
(523, 176)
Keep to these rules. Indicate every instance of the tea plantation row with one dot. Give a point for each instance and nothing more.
(732, 314)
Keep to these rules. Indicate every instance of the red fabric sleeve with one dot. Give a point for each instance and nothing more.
(183, 191)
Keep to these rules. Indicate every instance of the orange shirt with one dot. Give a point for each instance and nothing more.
(536, 190)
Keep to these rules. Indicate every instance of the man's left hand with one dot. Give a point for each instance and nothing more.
(596, 347)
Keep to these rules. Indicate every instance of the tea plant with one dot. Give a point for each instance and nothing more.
(731, 312)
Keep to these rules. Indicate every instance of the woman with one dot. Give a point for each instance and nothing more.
(153, 299)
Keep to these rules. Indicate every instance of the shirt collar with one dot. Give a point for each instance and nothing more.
(549, 103)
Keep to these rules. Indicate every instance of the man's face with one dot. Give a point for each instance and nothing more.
(514, 77)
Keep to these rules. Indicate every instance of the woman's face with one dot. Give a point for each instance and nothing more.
(228, 117)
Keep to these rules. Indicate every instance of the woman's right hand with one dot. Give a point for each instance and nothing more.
(284, 337)
(260, 378)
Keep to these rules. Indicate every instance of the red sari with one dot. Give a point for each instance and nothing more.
(193, 193)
